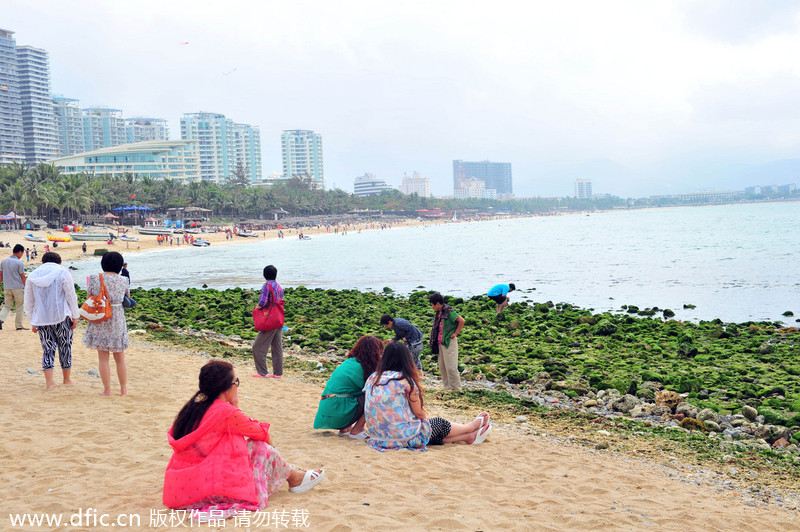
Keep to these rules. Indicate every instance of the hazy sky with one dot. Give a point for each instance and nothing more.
(641, 97)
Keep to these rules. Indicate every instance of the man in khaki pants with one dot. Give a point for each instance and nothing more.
(12, 275)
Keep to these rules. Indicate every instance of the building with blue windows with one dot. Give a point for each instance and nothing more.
(302, 155)
(12, 143)
(156, 159)
(224, 147)
(38, 126)
(496, 176)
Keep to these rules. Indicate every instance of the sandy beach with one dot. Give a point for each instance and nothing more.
(73, 250)
(68, 450)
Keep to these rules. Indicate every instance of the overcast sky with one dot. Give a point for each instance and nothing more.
(641, 97)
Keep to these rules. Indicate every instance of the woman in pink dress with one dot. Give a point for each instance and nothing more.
(222, 460)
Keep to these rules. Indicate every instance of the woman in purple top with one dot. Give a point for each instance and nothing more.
(271, 294)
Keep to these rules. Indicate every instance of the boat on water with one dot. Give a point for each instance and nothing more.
(96, 237)
(52, 238)
(126, 238)
(199, 242)
(155, 231)
(33, 238)
(247, 233)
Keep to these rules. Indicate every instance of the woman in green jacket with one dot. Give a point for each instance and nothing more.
(342, 403)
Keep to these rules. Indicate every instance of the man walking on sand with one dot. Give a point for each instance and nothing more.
(499, 294)
(447, 324)
(12, 275)
(405, 330)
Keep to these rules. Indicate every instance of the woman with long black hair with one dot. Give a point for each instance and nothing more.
(223, 460)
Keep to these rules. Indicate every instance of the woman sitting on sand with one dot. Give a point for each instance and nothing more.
(222, 460)
(395, 417)
(342, 403)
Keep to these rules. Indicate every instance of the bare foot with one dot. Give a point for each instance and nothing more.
(52, 386)
(123, 391)
(105, 393)
(68, 383)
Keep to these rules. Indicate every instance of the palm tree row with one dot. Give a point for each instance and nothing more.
(44, 192)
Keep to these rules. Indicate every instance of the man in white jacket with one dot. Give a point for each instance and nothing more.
(52, 308)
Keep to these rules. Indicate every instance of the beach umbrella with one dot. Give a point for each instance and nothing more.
(109, 215)
(151, 219)
(118, 208)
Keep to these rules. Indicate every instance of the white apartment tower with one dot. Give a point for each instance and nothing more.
(583, 188)
(416, 184)
(38, 127)
(145, 129)
(68, 117)
(12, 144)
(103, 128)
(223, 145)
(302, 155)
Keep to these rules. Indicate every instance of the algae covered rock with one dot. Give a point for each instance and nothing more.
(625, 404)
(690, 423)
(605, 328)
(668, 398)
(749, 413)
(707, 414)
(688, 410)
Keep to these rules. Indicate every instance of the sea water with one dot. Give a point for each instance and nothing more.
(734, 262)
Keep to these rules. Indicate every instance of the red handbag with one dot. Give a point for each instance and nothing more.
(269, 319)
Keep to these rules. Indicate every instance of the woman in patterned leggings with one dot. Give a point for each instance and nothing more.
(52, 308)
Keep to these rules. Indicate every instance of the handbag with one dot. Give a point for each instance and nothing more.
(97, 308)
(128, 302)
(269, 319)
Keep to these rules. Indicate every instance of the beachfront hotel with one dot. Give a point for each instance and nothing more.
(368, 184)
(144, 129)
(583, 188)
(12, 143)
(416, 184)
(302, 155)
(496, 176)
(223, 146)
(156, 159)
(38, 125)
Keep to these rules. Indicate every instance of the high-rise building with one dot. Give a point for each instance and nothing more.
(496, 176)
(223, 146)
(68, 117)
(144, 129)
(416, 184)
(302, 155)
(38, 126)
(12, 144)
(103, 128)
(474, 188)
(583, 188)
(368, 184)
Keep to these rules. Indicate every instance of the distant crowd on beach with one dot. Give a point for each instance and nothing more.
(375, 395)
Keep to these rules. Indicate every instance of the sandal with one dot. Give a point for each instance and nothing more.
(482, 435)
(358, 435)
(310, 479)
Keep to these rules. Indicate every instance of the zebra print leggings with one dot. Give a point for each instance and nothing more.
(56, 336)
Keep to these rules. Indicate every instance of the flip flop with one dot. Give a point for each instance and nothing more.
(310, 479)
(359, 435)
(484, 418)
(343, 433)
(259, 376)
(273, 376)
(482, 435)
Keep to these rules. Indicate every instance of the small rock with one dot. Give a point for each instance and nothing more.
(668, 398)
(93, 373)
(625, 404)
(588, 404)
(707, 414)
(601, 445)
(33, 371)
(749, 412)
(521, 419)
(728, 459)
(732, 471)
(712, 426)
(604, 433)
(688, 410)
(780, 443)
